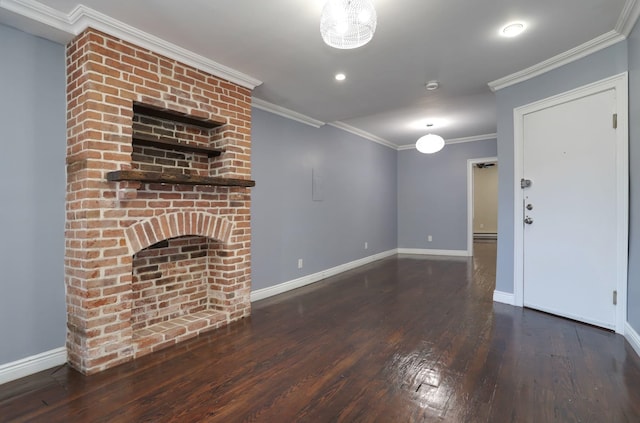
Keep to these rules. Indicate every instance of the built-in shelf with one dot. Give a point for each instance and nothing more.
(173, 144)
(172, 178)
(153, 111)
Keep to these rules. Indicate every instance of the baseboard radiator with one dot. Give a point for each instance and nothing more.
(485, 235)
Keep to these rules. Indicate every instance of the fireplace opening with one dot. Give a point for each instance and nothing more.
(170, 279)
(172, 291)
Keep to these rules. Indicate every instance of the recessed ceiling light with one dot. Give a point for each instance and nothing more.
(513, 29)
(340, 76)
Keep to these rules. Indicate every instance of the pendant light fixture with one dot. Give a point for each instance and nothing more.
(430, 144)
(347, 24)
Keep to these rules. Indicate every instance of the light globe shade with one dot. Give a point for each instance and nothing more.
(347, 24)
(430, 144)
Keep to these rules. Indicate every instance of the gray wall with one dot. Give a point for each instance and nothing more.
(32, 186)
(432, 195)
(358, 202)
(605, 63)
(633, 308)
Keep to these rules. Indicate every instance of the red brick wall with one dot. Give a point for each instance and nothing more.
(108, 223)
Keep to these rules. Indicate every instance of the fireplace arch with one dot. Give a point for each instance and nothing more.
(148, 232)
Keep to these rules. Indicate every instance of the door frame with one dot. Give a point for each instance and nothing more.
(620, 84)
(470, 182)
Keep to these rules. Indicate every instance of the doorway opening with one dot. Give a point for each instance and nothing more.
(482, 213)
(482, 201)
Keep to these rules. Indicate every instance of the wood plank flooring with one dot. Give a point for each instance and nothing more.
(404, 339)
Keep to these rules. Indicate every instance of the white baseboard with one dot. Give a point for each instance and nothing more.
(504, 297)
(34, 364)
(632, 337)
(423, 252)
(315, 277)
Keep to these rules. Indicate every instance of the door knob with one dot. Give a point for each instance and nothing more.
(528, 220)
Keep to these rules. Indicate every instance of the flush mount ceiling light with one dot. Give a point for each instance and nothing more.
(432, 85)
(430, 144)
(347, 24)
(513, 29)
(340, 77)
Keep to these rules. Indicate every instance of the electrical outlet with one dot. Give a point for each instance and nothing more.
(482, 226)
(366, 245)
(429, 238)
(299, 263)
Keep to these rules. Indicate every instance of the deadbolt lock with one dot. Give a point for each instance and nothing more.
(529, 206)
(525, 183)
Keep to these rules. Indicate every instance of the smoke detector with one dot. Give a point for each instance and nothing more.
(432, 85)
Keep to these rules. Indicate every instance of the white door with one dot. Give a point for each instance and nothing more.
(570, 245)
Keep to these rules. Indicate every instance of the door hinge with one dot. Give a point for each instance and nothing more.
(615, 121)
(615, 297)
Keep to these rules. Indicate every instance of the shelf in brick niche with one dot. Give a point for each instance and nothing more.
(173, 144)
(176, 179)
(153, 111)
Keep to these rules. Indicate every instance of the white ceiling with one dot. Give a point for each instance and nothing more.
(454, 41)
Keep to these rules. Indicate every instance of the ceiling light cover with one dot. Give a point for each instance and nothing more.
(347, 24)
(430, 144)
(340, 77)
(432, 85)
(513, 29)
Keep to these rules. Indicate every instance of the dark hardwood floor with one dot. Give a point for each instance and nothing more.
(405, 339)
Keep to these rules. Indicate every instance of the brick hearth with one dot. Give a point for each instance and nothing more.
(150, 264)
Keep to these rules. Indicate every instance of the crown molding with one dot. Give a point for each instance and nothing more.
(483, 137)
(284, 112)
(367, 135)
(407, 147)
(457, 140)
(37, 12)
(37, 19)
(82, 17)
(590, 47)
(299, 117)
(628, 17)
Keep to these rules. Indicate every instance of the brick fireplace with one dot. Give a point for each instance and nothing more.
(158, 223)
